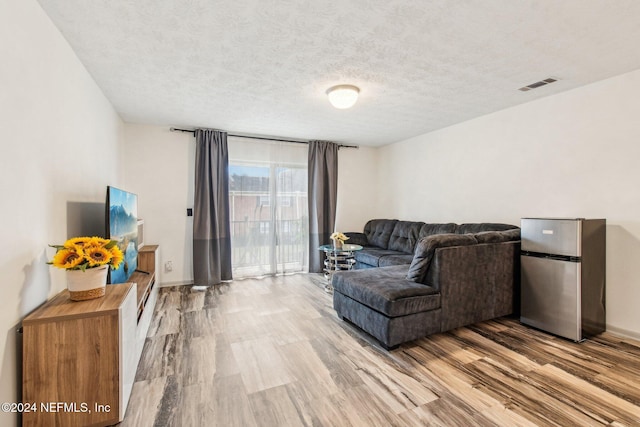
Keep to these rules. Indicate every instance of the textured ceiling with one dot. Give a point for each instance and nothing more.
(262, 66)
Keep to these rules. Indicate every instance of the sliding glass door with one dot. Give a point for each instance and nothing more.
(268, 208)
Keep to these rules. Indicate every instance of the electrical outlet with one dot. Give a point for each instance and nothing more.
(168, 266)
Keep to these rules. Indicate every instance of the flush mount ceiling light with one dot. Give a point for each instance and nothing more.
(343, 96)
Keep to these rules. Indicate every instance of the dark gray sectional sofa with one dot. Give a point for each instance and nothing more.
(413, 279)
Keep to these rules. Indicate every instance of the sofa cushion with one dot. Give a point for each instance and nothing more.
(431, 229)
(498, 236)
(405, 236)
(427, 246)
(390, 331)
(483, 226)
(386, 290)
(378, 231)
(357, 239)
(370, 255)
(402, 259)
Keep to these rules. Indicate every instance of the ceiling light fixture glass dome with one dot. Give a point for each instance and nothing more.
(343, 96)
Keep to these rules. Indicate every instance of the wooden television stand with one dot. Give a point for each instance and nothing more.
(145, 278)
(80, 357)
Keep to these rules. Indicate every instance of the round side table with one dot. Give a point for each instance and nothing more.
(337, 260)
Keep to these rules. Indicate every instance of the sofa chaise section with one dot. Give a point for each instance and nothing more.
(382, 302)
(453, 280)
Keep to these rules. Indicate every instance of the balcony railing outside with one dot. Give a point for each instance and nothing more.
(252, 243)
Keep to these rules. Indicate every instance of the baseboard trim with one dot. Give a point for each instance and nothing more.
(179, 283)
(186, 283)
(624, 333)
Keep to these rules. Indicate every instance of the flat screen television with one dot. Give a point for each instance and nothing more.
(122, 226)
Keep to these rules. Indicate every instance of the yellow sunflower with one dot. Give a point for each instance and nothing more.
(98, 241)
(77, 242)
(98, 256)
(116, 257)
(67, 258)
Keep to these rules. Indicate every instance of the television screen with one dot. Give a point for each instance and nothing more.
(122, 226)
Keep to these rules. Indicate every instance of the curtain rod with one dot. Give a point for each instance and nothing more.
(262, 138)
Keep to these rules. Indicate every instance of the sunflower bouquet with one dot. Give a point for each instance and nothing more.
(338, 236)
(81, 253)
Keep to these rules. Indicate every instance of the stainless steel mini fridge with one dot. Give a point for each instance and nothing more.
(563, 275)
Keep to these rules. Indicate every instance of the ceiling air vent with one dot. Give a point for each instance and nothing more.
(538, 84)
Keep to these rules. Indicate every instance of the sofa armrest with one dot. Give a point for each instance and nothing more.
(357, 238)
(426, 248)
(477, 282)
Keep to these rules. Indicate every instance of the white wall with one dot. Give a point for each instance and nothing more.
(357, 188)
(60, 143)
(159, 168)
(575, 154)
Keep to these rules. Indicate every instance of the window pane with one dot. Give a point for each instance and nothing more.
(269, 229)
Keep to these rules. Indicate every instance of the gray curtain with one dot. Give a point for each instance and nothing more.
(323, 190)
(211, 226)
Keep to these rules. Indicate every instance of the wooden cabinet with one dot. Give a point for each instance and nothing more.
(79, 359)
(145, 275)
(145, 278)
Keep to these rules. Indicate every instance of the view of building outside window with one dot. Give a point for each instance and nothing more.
(269, 220)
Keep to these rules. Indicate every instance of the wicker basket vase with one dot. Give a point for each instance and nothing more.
(88, 284)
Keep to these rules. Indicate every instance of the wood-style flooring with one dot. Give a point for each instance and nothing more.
(272, 352)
